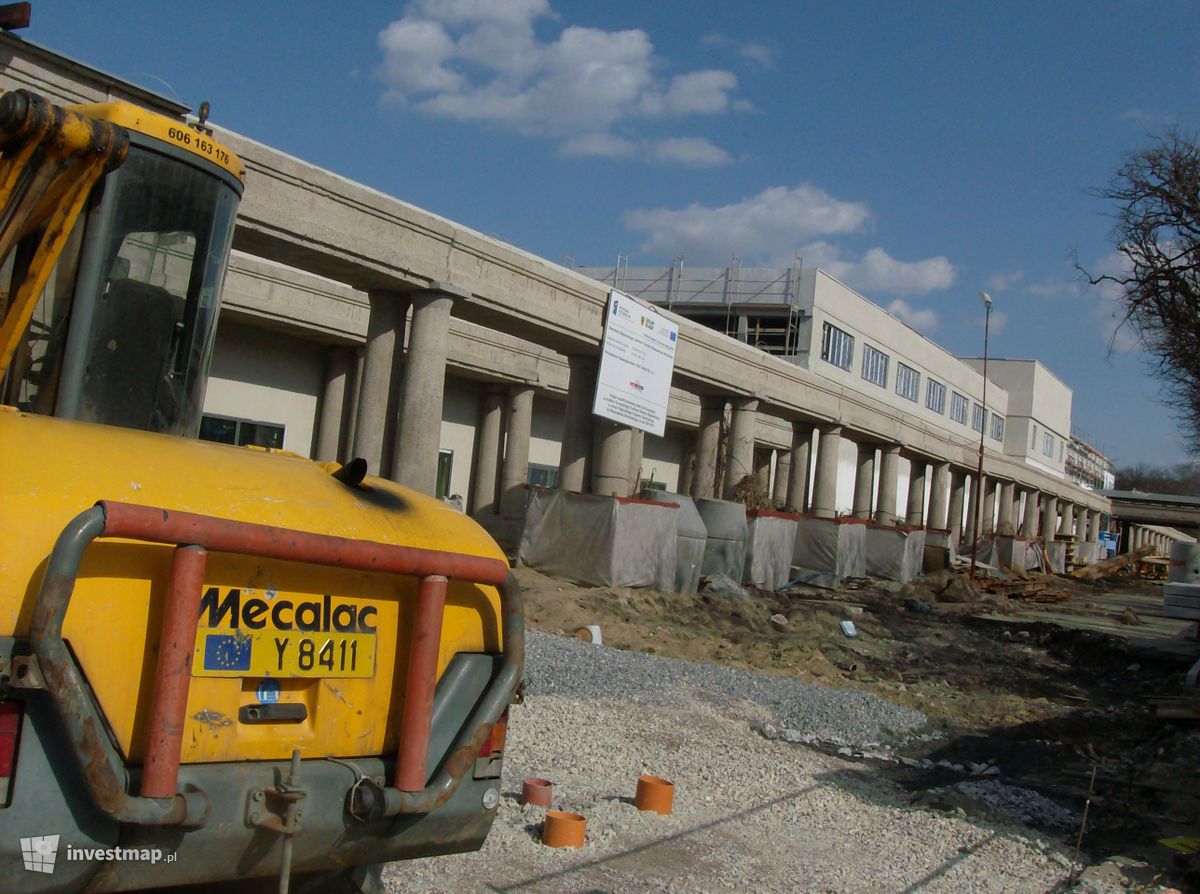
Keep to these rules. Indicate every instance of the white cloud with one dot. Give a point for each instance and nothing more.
(758, 53)
(775, 226)
(877, 271)
(692, 152)
(697, 93)
(924, 319)
(481, 61)
(1000, 282)
(1147, 118)
(1110, 310)
(599, 145)
(1053, 288)
(771, 224)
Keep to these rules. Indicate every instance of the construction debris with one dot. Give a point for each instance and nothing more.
(1113, 565)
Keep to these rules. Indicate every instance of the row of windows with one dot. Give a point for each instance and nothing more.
(837, 347)
(1047, 443)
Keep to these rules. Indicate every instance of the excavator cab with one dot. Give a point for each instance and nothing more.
(115, 237)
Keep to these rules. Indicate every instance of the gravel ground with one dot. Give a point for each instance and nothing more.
(750, 814)
(558, 665)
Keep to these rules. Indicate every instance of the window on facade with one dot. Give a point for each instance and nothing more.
(837, 347)
(977, 418)
(997, 427)
(958, 408)
(542, 475)
(935, 396)
(1033, 439)
(874, 366)
(1060, 450)
(1048, 444)
(242, 432)
(445, 467)
(908, 382)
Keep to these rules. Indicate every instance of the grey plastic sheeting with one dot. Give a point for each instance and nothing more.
(894, 553)
(824, 544)
(769, 544)
(1018, 553)
(725, 551)
(690, 539)
(600, 541)
(1056, 556)
(1087, 553)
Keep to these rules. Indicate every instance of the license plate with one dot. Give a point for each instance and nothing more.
(275, 653)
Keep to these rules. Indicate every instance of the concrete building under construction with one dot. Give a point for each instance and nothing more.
(354, 324)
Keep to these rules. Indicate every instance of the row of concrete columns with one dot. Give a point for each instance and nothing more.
(1140, 536)
(396, 428)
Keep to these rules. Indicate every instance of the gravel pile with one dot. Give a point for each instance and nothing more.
(750, 814)
(557, 665)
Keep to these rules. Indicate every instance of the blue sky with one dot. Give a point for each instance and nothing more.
(920, 151)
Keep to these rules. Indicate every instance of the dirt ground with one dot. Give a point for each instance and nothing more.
(1049, 692)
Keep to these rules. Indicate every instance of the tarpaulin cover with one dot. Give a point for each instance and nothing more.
(600, 541)
(690, 539)
(894, 553)
(1015, 552)
(827, 544)
(1056, 554)
(725, 551)
(769, 545)
(1087, 553)
(938, 551)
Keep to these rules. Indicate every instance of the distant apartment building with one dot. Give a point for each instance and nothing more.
(1088, 467)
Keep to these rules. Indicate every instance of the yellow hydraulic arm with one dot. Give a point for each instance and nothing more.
(49, 160)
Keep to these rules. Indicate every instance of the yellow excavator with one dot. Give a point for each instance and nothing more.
(219, 666)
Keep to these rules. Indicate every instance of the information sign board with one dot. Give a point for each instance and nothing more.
(637, 358)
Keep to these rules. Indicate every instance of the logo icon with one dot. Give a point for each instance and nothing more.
(39, 853)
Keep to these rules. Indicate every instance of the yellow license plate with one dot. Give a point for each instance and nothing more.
(283, 653)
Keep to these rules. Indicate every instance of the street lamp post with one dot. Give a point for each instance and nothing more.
(987, 319)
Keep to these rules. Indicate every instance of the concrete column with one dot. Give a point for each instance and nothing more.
(740, 462)
(762, 471)
(1066, 525)
(419, 432)
(637, 445)
(958, 496)
(516, 451)
(575, 461)
(610, 461)
(1029, 519)
(1049, 517)
(708, 442)
(797, 489)
(1081, 520)
(1004, 521)
(1094, 525)
(379, 393)
(339, 380)
(889, 484)
(864, 481)
(824, 497)
(783, 471)
(987, 523)
(687, 468)
(915, 515)
(974, 496)
(487, 455)
(939, 497)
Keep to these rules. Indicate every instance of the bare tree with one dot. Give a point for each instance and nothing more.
(1157, 233)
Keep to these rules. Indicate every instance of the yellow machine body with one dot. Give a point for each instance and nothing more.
(52, 469)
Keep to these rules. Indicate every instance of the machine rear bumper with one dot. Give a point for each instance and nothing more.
(95, 853)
